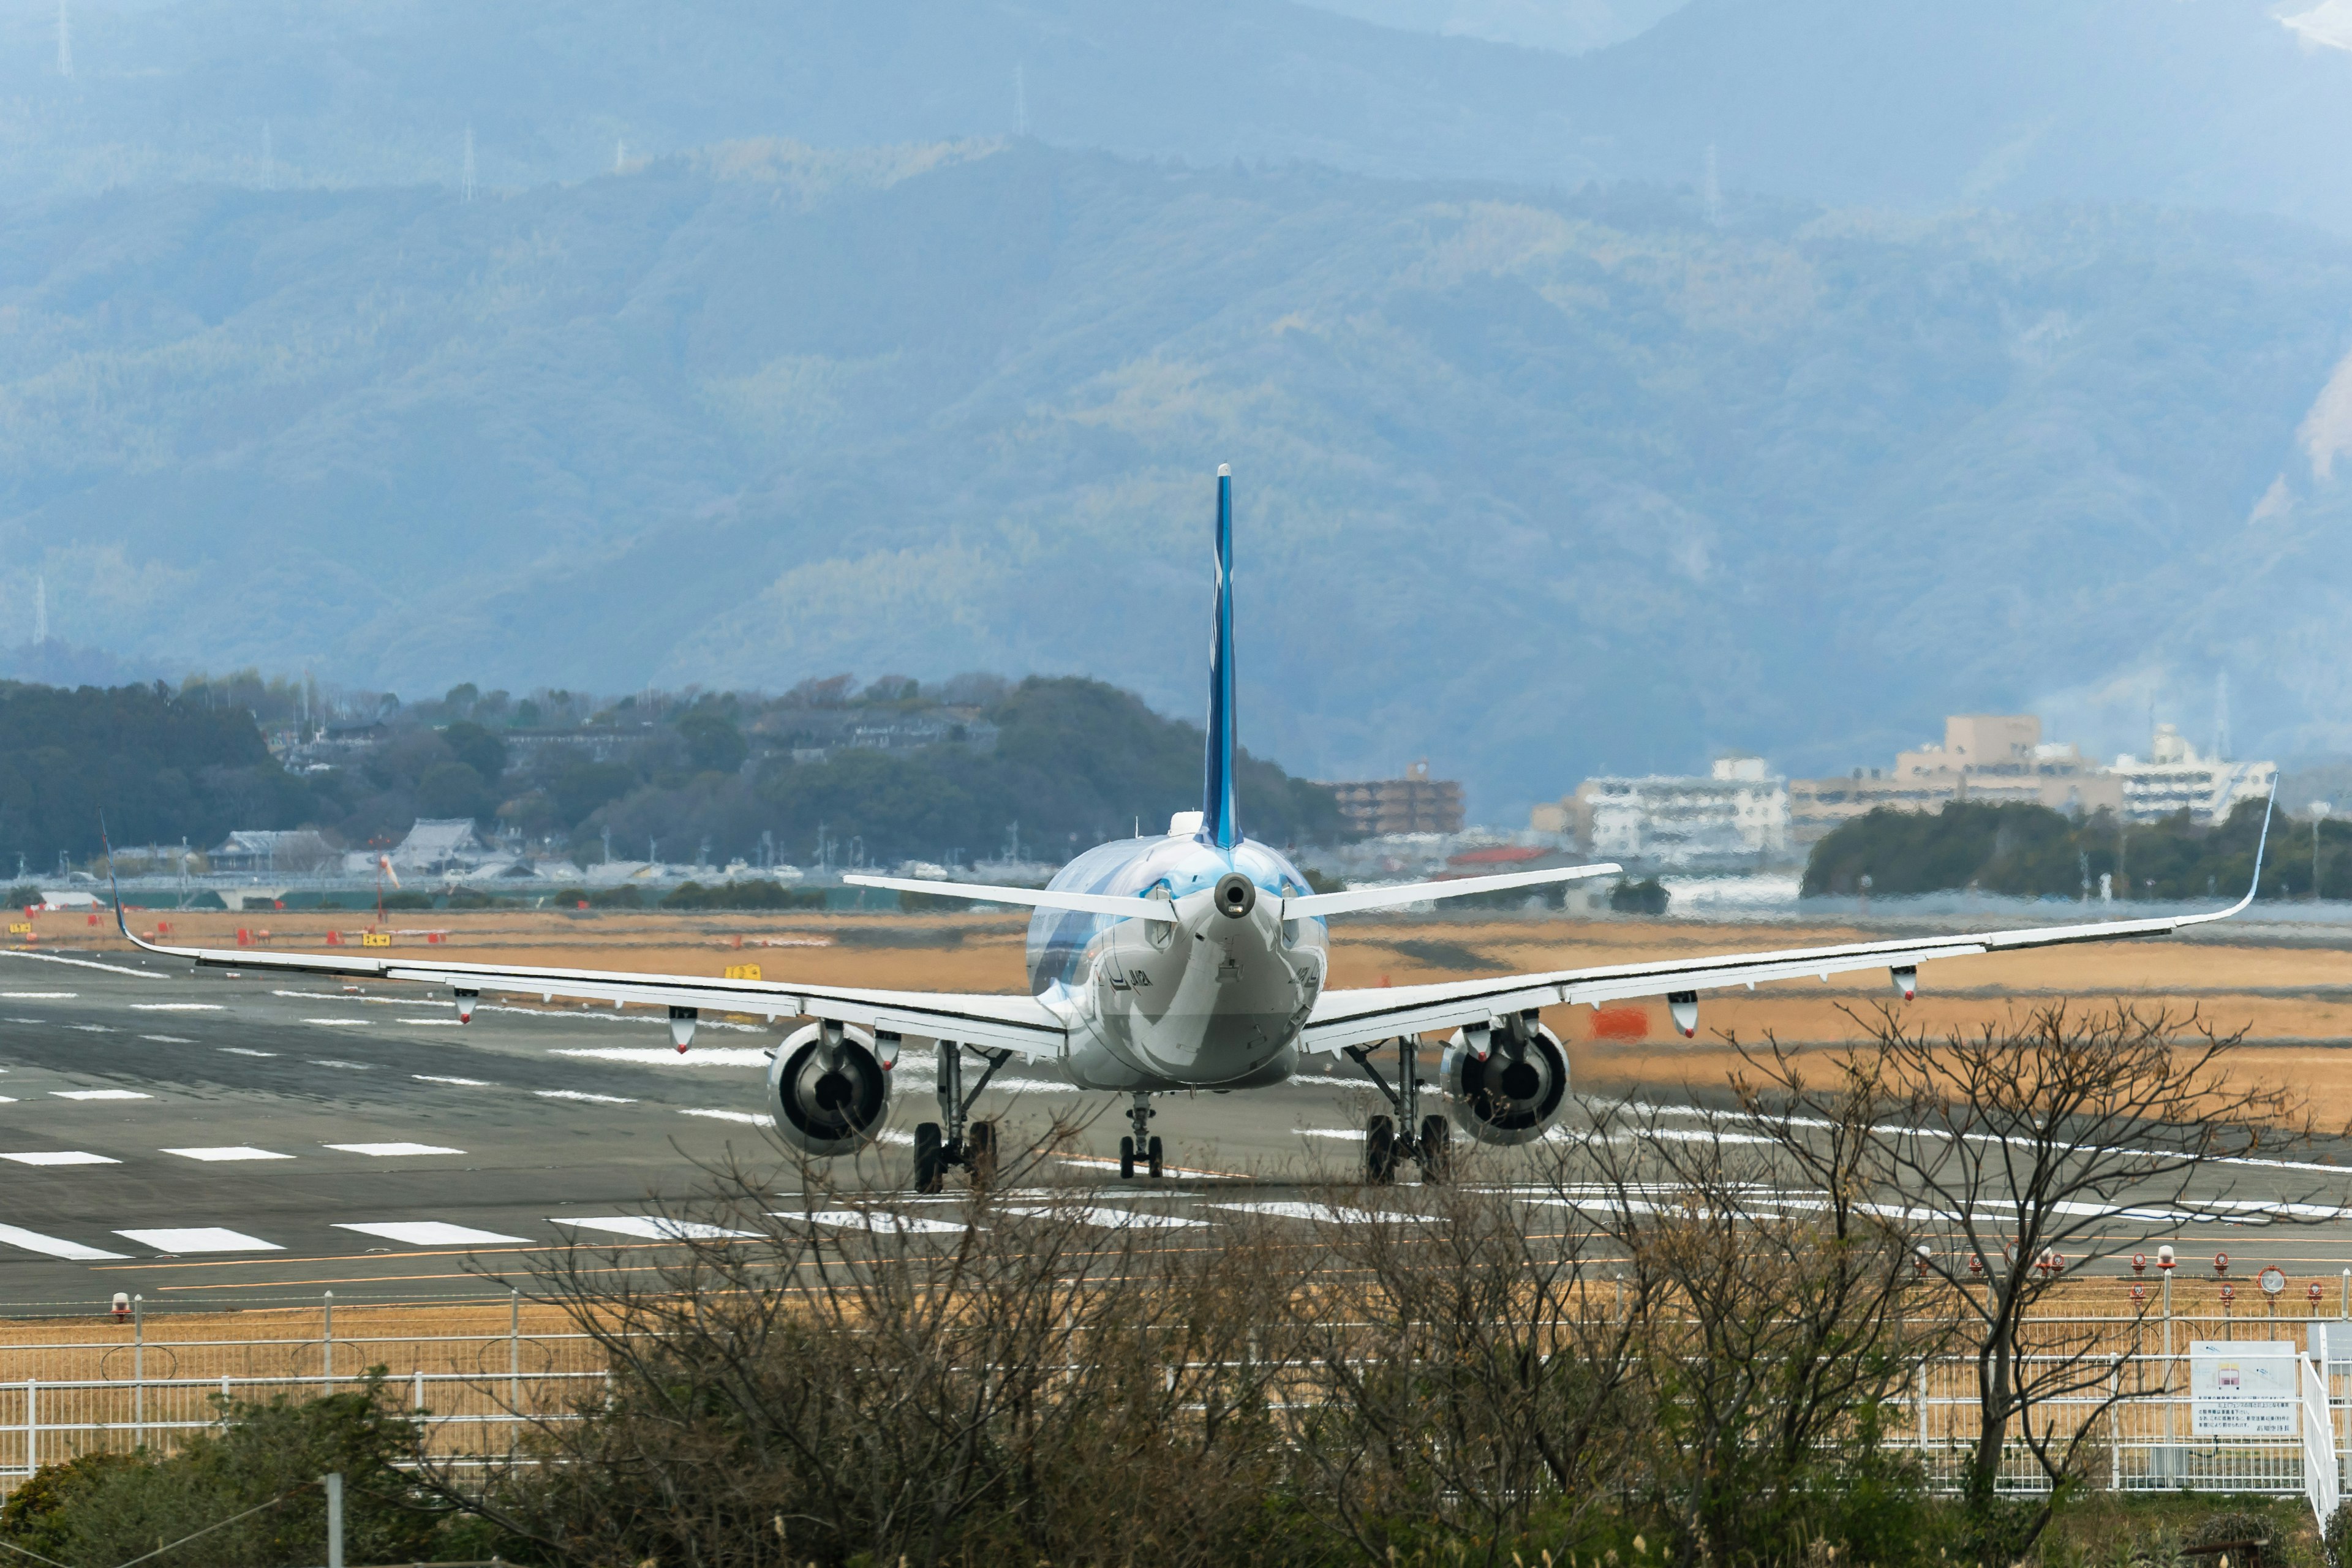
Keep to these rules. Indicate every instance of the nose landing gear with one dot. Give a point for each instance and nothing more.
(1141, 1144)
(974, 1146)
(1424, 1139)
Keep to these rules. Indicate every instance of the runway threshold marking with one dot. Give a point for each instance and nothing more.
(650, 1228)
(428, 1233)
(228, 1152)
(54, 1247)
(61, 1157)
(200, 1239)
(390, 1151)
(98, 1094)
(1107, 1218)
(882, 1224)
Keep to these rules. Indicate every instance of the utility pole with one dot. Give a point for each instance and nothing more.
(2319, 810)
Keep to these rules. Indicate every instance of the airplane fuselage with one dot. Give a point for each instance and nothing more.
(1214, 1000)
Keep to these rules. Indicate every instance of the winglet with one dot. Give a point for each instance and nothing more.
(112, 886)
(2254, 887)
(1220, 823)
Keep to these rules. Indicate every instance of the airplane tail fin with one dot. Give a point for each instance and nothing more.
(1220, 823)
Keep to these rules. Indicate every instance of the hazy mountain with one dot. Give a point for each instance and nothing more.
(1570, 27)
(2200, 102)
(1533, 484)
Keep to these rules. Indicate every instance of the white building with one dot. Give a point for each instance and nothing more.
(1738, 812)
(2175, 778)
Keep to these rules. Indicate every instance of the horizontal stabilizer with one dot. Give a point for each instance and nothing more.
(1308, 905)
(1125, 904)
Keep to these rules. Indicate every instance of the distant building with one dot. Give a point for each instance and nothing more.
(2174, 778)
(1414, 804)
(1997, 758)
(439, 844)
(295, 852)
(1738, 814)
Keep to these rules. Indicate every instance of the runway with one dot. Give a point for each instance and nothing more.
(200, 1139)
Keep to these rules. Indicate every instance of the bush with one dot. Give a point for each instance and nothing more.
(2336, 1538)
(754, 895)
(1646, 897)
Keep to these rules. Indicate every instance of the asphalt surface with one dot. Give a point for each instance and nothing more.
(197, 1139)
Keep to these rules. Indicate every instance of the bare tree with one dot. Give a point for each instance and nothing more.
(2023, 1151)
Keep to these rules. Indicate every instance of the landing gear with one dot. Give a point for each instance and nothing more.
(1410, 1136)
(1140, 1146)
(971, 1145)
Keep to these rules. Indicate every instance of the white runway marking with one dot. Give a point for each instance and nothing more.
(333, 1062)
(232, 1151)
(61, 1157)
(748, 1118)
(1034, 1086)
(667, 1057)
(38, 995)
(647, 1228)
(1330, 1132)
(337, 1023)
(430, 1233)
(92, 1028)
(28, 1020)
(7, 1100)
(391, 1151)
(86, 964)
(175, 1040)
(98, 1094)
(177, 1007)
(1103, 1219)
(432, 1023)
(461, 1082)
(200, 1239)
(880, 1224)
(897, 1139)
(581, 1094)
(53, 1247)
(1323, 1213)
(241, 1051)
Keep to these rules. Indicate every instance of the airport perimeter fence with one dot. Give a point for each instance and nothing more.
(480, 1377)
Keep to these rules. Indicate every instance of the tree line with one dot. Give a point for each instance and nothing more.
(2032, 851)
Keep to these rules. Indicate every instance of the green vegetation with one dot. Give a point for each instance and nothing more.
(2033, 852)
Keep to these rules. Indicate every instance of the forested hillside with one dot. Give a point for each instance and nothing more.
(1536, 485)
(1071, 762)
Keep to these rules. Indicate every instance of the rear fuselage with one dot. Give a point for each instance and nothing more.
(1214, 1000)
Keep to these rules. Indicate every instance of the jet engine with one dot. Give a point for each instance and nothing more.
(1512, 1095)
(828, 1101)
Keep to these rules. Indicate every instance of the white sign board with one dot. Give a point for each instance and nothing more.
(2245, 1388)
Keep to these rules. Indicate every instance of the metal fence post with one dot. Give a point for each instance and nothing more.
(514, 1350)
(137, 1372)
(327, 1343)
(1922, 1411)
(32, 1425)
(335, 1520)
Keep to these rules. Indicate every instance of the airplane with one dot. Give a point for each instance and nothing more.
(1196, 960)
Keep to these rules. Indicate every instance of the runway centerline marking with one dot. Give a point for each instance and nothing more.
(61, 1157)
(461, 1082)
(38, 996)
(167, 1039)
(98, 1094)
(391, 1151)
(228, 1152)
(231, 1050)
(339, 1023)
(581, 1094)
(752, 1118)
(177, 1007)
(332, 1062)
(54, 1247)
(200, 1239)
(429, 1233)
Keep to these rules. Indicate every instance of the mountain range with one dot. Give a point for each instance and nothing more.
(1533, 483)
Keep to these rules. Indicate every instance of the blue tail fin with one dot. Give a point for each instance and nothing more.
(1220, 822)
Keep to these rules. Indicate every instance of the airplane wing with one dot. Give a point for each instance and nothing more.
(1021, 1023)
(1355, 1017)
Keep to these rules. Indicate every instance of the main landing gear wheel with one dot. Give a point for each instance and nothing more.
(1140, 1144)
(1153, 1162)
(1380, 1152)
(1126, 1159)
(1436, 1158)
(931, 1165)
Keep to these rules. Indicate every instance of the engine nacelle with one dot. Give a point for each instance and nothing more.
(828, 1111)
(1513, 1095)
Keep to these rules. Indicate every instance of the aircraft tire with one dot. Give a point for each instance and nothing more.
(1151, 1153)
(1380, 1152)
(1126, 1159)
(980, 1153)
(1436, 1155)
(929, 1166)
